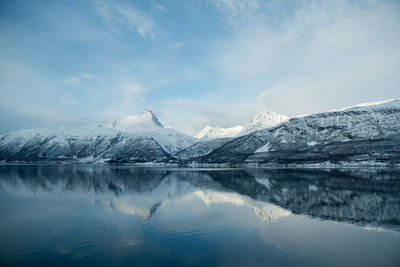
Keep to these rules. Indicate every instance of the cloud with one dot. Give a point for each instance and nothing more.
(236, 10)
(119, 16)
(69, 100)
(86, 76)
(177, 45)
(325, 55)
(79, 77)
(131, 95)
(72, 79)
(159, 7)
(135, 90)
(190, 116)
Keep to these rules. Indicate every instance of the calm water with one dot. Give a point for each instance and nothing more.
(120, 215)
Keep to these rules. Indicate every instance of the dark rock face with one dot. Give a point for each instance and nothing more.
(201, 149)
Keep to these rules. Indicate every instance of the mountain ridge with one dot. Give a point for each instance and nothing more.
(261, 120)
(313, 138)
(362, 134)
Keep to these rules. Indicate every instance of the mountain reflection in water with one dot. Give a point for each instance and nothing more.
(358, 196)
(63, 215)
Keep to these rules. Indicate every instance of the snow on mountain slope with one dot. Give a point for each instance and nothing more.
(145, 121)
(389, 103)
(201, 148)
(139, 138)
(79, 144)
(261, 120)
(362, 133)
(217, 132)
(147, 124)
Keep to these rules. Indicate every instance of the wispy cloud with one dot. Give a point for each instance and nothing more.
(86, 76)
(325, 55)
(217, 61)
(236, 10)
(69, 100)
(159, 7)
(79, 77)
(72, 79)
(118, 17)
(177, 45)
(131, 95)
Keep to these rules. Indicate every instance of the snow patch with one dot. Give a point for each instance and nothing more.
(261, 120)
(265, 182)
(395, 102)
(216, 132)
(264, 148)
(312, 143)
(312, 188)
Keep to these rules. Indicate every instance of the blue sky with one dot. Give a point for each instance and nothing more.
(194, 63)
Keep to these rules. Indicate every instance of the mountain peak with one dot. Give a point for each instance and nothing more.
(216, 132)
(153, 117)
(267, 115)
(262, 120)
(145, 121)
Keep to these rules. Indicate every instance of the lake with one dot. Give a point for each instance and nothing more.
(122, 215)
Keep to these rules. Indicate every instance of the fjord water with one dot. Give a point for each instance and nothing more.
(122, 215)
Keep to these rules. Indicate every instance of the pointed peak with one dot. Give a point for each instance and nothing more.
(264, 119)
(147, 112)
(269, 114)
(145, 121)
(153, 116)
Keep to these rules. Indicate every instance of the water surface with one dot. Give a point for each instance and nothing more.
(121, 215)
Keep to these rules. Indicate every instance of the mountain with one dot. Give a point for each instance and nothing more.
(217, 132)
(366, 134)
(79, 144)
(145, 121)
(261, 120)
(363, 134)
(201, 148)
(140, 138)
(146, 124)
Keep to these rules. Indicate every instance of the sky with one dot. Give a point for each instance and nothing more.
(192, 62)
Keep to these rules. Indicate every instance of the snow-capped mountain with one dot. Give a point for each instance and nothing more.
(356, 135)
(201, 148)
(146, 124)
(139, 138)
(79, 144)
(261, 120)
(359, 135)
(217, 132)
(145, 121)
